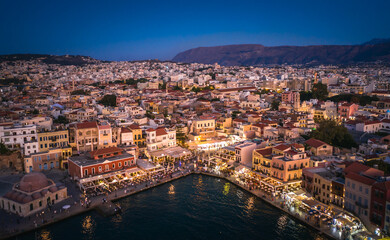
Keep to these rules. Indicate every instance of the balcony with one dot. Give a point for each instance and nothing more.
(265, 165)
(293, 169)
(361, 205)
(278, 167)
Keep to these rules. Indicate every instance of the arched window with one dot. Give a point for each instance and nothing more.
(31, 207)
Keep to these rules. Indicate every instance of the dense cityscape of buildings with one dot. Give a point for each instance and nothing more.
(110, 122)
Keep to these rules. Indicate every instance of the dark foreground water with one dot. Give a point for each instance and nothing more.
(195, 207)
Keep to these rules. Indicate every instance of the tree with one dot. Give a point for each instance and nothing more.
(362, 100)
(235, 113)
(162, 86)
(108, 100)
(331, 132)
(4, 150)
(61, 119)
(195, 89)
(320, 91)
(275, 105)
(149, 114)
(80, 92)
(181, 136)
(305, 95)
(176, 88)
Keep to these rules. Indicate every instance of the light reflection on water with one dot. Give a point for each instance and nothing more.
(226, 189)
(88, 227)
(171, 190)
(251, 203)
(45, 235)
(195, 208)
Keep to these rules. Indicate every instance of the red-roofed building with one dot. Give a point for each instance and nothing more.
(369, 126)
(319, 148)
(100, 162)
(160, 138)
(359, 180)
(379, 212)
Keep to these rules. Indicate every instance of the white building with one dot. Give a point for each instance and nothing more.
(160, 138)
(14, 137)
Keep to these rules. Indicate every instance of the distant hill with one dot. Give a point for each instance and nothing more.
(50, 59)
(255, 54)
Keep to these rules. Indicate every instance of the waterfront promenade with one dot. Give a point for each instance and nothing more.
(54, 215)
(17, 225)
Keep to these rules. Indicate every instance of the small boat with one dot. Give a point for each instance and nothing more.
(118, 209)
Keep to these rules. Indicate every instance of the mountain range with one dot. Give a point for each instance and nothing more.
(256, 54)
(51, 59)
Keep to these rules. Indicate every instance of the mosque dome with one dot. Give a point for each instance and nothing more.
(33, 182)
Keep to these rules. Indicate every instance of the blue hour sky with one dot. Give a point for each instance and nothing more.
(136, 30)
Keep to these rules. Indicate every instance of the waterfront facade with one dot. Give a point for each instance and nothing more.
(32, 194)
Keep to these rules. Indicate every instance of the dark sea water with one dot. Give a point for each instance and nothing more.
(195, 207)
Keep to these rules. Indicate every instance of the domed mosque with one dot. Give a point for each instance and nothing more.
(32, 194)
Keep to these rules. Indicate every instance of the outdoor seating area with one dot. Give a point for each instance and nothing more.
(107, 183)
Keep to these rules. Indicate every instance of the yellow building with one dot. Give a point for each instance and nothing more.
(262, 160)
(138, 139)
(84, 136)
(105, 136)
(224, 122)
(151, 106)
(201, 129)
(53, 139)
(46, 160)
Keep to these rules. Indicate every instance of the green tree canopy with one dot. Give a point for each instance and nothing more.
(275, 105)
(334, 134)
(4, 149)
(320, 91)
(61, 119)
(108, 100)
(362, 100)
(80, 92)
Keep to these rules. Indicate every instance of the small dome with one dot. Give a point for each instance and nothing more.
(43, 192)
(53, 189)
(14, 195)
(27, 199)
(33, 182)
(20, 197)
(36, 195)
(8, 195)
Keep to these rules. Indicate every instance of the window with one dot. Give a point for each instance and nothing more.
(40, 203)
(119, 164)
(86, 172)
(113, 165)
(125, 163)
(100, 169)
(93, 170)
(353, 185)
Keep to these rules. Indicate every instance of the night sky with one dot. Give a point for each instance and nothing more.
(135, 30)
